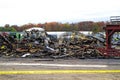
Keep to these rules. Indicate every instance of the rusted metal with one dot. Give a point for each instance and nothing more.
(110, 30)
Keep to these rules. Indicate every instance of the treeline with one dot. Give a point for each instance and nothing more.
(2, 29)
(56, 26)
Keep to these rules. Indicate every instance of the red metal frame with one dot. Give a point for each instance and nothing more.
(110, 30)
(109, 51)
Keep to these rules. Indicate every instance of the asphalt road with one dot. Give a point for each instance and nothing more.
(49, 65)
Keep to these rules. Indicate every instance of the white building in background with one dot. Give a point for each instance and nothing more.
(64, 33)
(35, 28)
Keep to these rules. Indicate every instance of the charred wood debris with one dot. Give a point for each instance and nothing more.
(43, 46)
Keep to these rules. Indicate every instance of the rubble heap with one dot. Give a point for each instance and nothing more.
(35, 44)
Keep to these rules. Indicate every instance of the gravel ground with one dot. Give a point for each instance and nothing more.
(111, 63)
(62, 77)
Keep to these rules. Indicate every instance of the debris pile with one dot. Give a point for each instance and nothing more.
(38, 44)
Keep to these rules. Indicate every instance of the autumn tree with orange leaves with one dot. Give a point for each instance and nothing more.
(57, 26)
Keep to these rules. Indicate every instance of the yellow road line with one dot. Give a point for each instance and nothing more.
(57, 71)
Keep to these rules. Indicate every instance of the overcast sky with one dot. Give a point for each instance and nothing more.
(40, 11)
